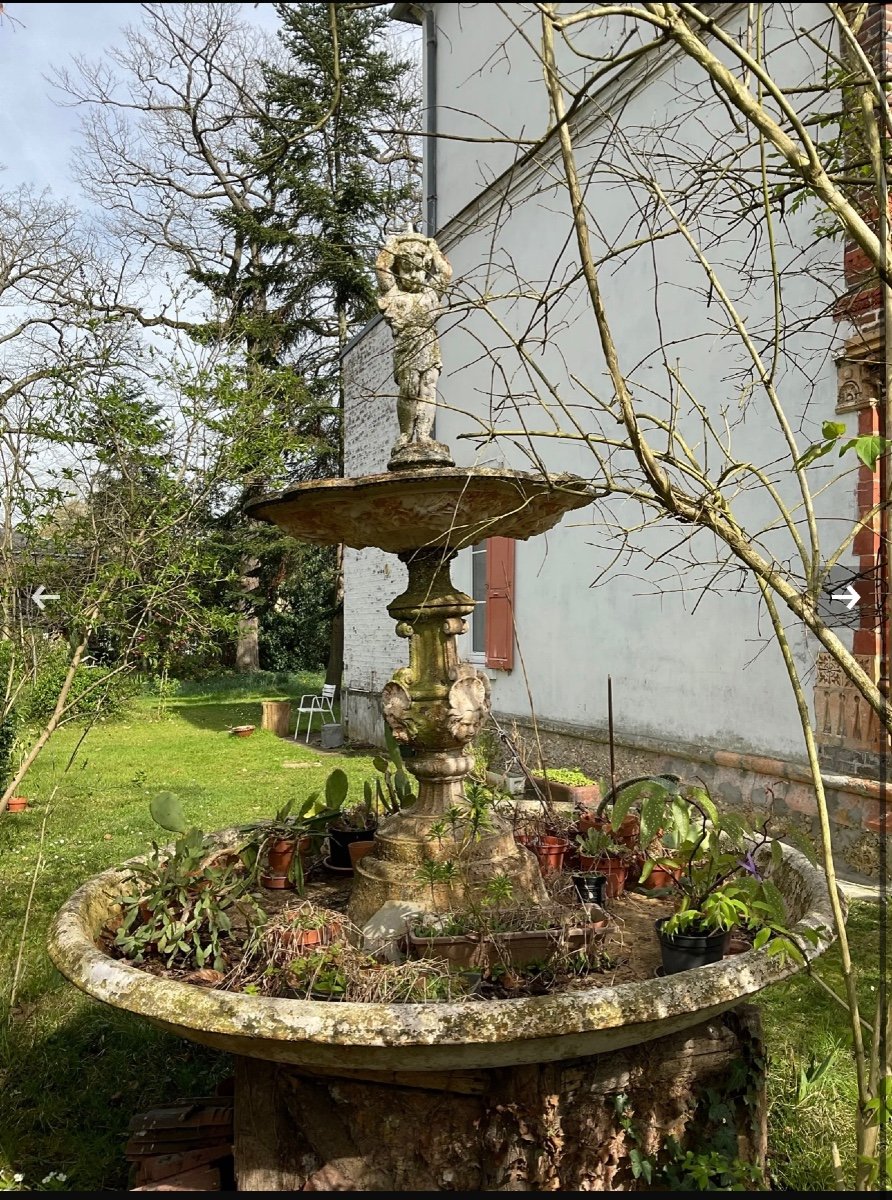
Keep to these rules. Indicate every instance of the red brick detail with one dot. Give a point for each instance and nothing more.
(868, 488)
(858, 305)
(868, 421)
(867, 542)
(856, 263)
(866, 641)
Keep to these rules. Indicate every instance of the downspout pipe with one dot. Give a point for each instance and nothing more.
(425, 16)
(430, 119)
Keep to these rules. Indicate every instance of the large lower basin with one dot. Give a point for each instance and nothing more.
(408, 510)
(435, 1036)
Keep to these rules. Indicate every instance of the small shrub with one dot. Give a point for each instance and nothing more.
(95, 692)
(7, 746)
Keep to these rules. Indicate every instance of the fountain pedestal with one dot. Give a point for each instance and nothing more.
(541, 1127)
(435, 707)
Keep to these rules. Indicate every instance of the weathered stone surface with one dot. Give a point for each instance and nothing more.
(384, 929)
(413, 274)
(451, 507)
(426, 1037)
(551, 1127)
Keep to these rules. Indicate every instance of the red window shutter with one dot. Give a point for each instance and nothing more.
(500, 603)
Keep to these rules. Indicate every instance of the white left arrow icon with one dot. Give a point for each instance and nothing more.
(849, 594)
(40, 595)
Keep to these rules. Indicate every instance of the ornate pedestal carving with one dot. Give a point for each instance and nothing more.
(435, 707)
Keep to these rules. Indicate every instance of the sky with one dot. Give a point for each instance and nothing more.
(37, 134)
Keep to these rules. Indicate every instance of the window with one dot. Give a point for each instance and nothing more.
(478, 594)
(492, 590)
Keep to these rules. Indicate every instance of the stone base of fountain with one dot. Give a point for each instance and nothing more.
(543, 1127)
(402, 845)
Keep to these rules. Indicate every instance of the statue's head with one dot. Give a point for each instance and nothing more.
(411, 264)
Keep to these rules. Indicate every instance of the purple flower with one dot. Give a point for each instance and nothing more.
(748, 864)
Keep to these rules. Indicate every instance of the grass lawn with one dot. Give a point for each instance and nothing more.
(72, 1072)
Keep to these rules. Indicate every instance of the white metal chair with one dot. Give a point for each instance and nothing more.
(321, 704)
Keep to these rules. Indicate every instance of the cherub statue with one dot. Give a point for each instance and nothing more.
(412, 276)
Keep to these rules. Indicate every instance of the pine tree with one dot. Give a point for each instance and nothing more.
(333, 182)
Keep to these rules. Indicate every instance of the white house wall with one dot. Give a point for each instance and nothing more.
(687, 665)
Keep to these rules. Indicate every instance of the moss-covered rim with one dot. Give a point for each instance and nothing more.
(74, 952)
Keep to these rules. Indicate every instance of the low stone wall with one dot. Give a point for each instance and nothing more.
(741, 780)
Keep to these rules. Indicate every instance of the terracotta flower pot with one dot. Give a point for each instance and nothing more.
(358, 850)
(590, 820)
(279, 857)
(339, 842)
(298, 940)
(615, 870)
(242, 730)
(16, 804)
(662, 877)
(550, 852)
(629, 831)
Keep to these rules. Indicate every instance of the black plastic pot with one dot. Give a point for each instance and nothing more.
(590, 887)
(682, 951)
(339, 841)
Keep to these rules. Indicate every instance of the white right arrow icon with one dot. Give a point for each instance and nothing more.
(849, 594)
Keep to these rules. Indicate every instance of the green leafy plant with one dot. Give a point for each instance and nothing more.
(320, 974)
(569, 776)
(869, 447)
(498, 892)
(721, 869)
(433, 873)
(393, 790)
(708, 1171)
(178, 904)
(601, 843)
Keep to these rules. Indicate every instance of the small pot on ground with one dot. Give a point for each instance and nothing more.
(683, 951)
(358, 850)
(591, 888)
(16, 804)
(339, 840)
(299, 940)
(589, 819)
(550, 852)
(279, 859)
(613, 868)
(241, 730)
(661, 877)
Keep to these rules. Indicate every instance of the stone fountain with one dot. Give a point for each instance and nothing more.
(496, 1096)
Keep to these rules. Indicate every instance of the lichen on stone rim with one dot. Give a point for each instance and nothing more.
(434, 1035)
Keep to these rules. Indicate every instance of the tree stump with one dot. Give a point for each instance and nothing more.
(547, 1127)
(276, 716)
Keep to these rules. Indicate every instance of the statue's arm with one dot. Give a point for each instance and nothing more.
(385, 278)
(441, 271)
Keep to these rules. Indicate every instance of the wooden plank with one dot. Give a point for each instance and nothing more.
(465, 1083)
(162, 1166)
(202, 1179)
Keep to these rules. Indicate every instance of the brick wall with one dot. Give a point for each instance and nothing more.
(850, 738)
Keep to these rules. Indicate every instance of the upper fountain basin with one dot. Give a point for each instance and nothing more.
(401, 511)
